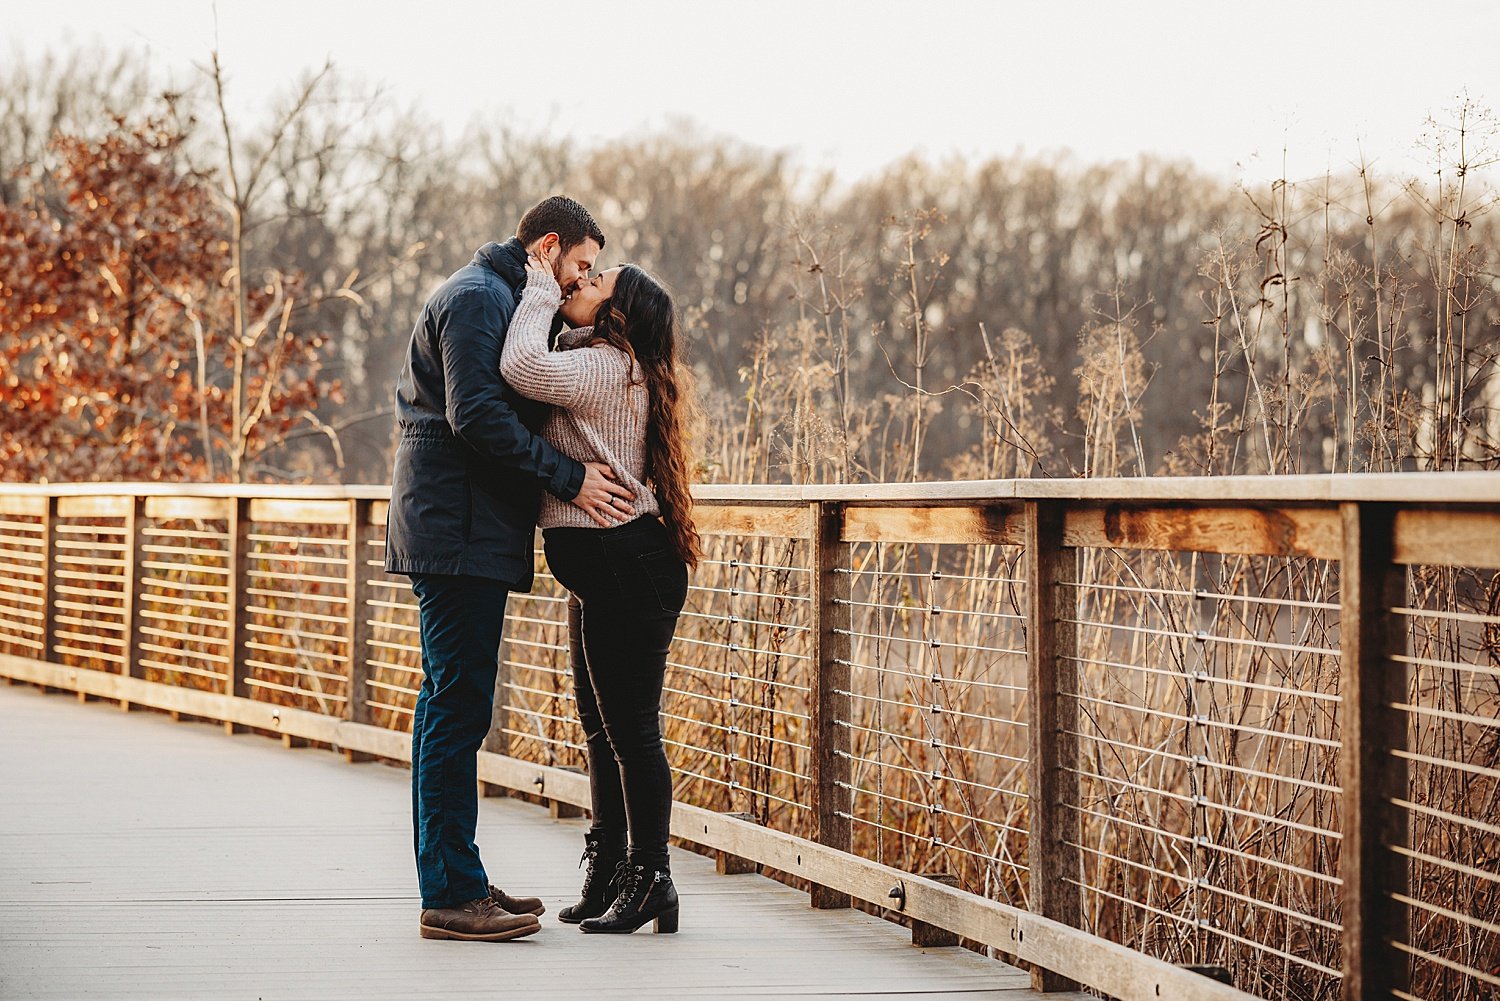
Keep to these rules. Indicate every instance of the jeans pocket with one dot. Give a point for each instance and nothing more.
(668, 576)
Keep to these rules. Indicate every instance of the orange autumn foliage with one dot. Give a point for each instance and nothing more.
(116, 342)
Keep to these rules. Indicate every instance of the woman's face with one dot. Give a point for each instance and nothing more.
(579, 308)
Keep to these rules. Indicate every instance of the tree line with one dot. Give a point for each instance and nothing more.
(184, 295)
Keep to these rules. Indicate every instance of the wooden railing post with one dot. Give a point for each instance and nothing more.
(49, 578)
(358, 590)
(831, 797)
(1373, 776)
(730, 864)
(1052, 680)
(239, 580)
(135, 555)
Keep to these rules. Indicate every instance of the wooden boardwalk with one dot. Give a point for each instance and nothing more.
(141, 858)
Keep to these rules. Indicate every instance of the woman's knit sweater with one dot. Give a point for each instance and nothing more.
(600, 402)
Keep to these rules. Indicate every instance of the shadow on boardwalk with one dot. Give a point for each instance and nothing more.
(145, 859)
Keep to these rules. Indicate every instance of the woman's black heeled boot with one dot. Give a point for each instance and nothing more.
(604, 860)
(646, 894)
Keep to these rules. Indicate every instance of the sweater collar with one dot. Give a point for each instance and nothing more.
(575, 338)
(508, 260)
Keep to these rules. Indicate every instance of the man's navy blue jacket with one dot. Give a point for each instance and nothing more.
(469, 467)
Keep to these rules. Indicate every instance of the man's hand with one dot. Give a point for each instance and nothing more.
(602, 498)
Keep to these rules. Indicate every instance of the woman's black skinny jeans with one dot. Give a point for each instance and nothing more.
(631, 585)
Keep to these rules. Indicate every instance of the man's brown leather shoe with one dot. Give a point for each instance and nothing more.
(479, 920)
(517, 905)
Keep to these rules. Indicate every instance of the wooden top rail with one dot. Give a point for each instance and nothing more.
(1480, 487)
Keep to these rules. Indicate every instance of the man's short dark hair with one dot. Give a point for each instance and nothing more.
(561, 215)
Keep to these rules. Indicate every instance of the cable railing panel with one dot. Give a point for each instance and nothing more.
(1451, 712)
(1207, 720)
(296, 626)
(937, 672)
(86, 535)
(23, 578)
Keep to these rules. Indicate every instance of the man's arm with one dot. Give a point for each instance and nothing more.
(470, 342)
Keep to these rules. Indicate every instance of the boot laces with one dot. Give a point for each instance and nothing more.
(591, 855)
(630, 877)
(589, 875)
(486, 906)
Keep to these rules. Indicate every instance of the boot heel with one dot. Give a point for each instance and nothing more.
(666, 923)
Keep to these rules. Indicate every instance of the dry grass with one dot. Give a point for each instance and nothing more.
(1210, 709)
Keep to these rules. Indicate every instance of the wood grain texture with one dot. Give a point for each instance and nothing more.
(1052, 682)
(29, 505)
(189, 508)
(1372, 776)
(135, 540)
(236, 614)
(299, 512)
(926, 936)
(94, 507)
(729, 864)
(1477, 487)
(829, 739)
(1251, 531)
(357, 631)
(970, 524)
(49, 577)
(1447, 537)
(755, 520)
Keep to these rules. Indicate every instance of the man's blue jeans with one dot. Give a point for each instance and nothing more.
(462, 619)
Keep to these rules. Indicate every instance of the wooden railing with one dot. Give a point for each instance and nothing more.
(1128, 732)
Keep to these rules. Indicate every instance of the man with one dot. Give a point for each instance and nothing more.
(464, 497)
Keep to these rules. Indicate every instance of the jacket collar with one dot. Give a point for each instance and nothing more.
(508, 260)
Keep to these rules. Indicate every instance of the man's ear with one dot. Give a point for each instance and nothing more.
(549, 248)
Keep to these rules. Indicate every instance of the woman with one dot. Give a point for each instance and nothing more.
(618, 400)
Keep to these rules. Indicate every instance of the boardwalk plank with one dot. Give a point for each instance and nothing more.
(147, 859)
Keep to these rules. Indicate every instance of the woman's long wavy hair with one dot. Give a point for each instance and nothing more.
(639, 318)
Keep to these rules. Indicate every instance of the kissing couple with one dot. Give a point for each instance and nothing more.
(503, 427)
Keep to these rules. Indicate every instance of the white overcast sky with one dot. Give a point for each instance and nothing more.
(853, 85)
